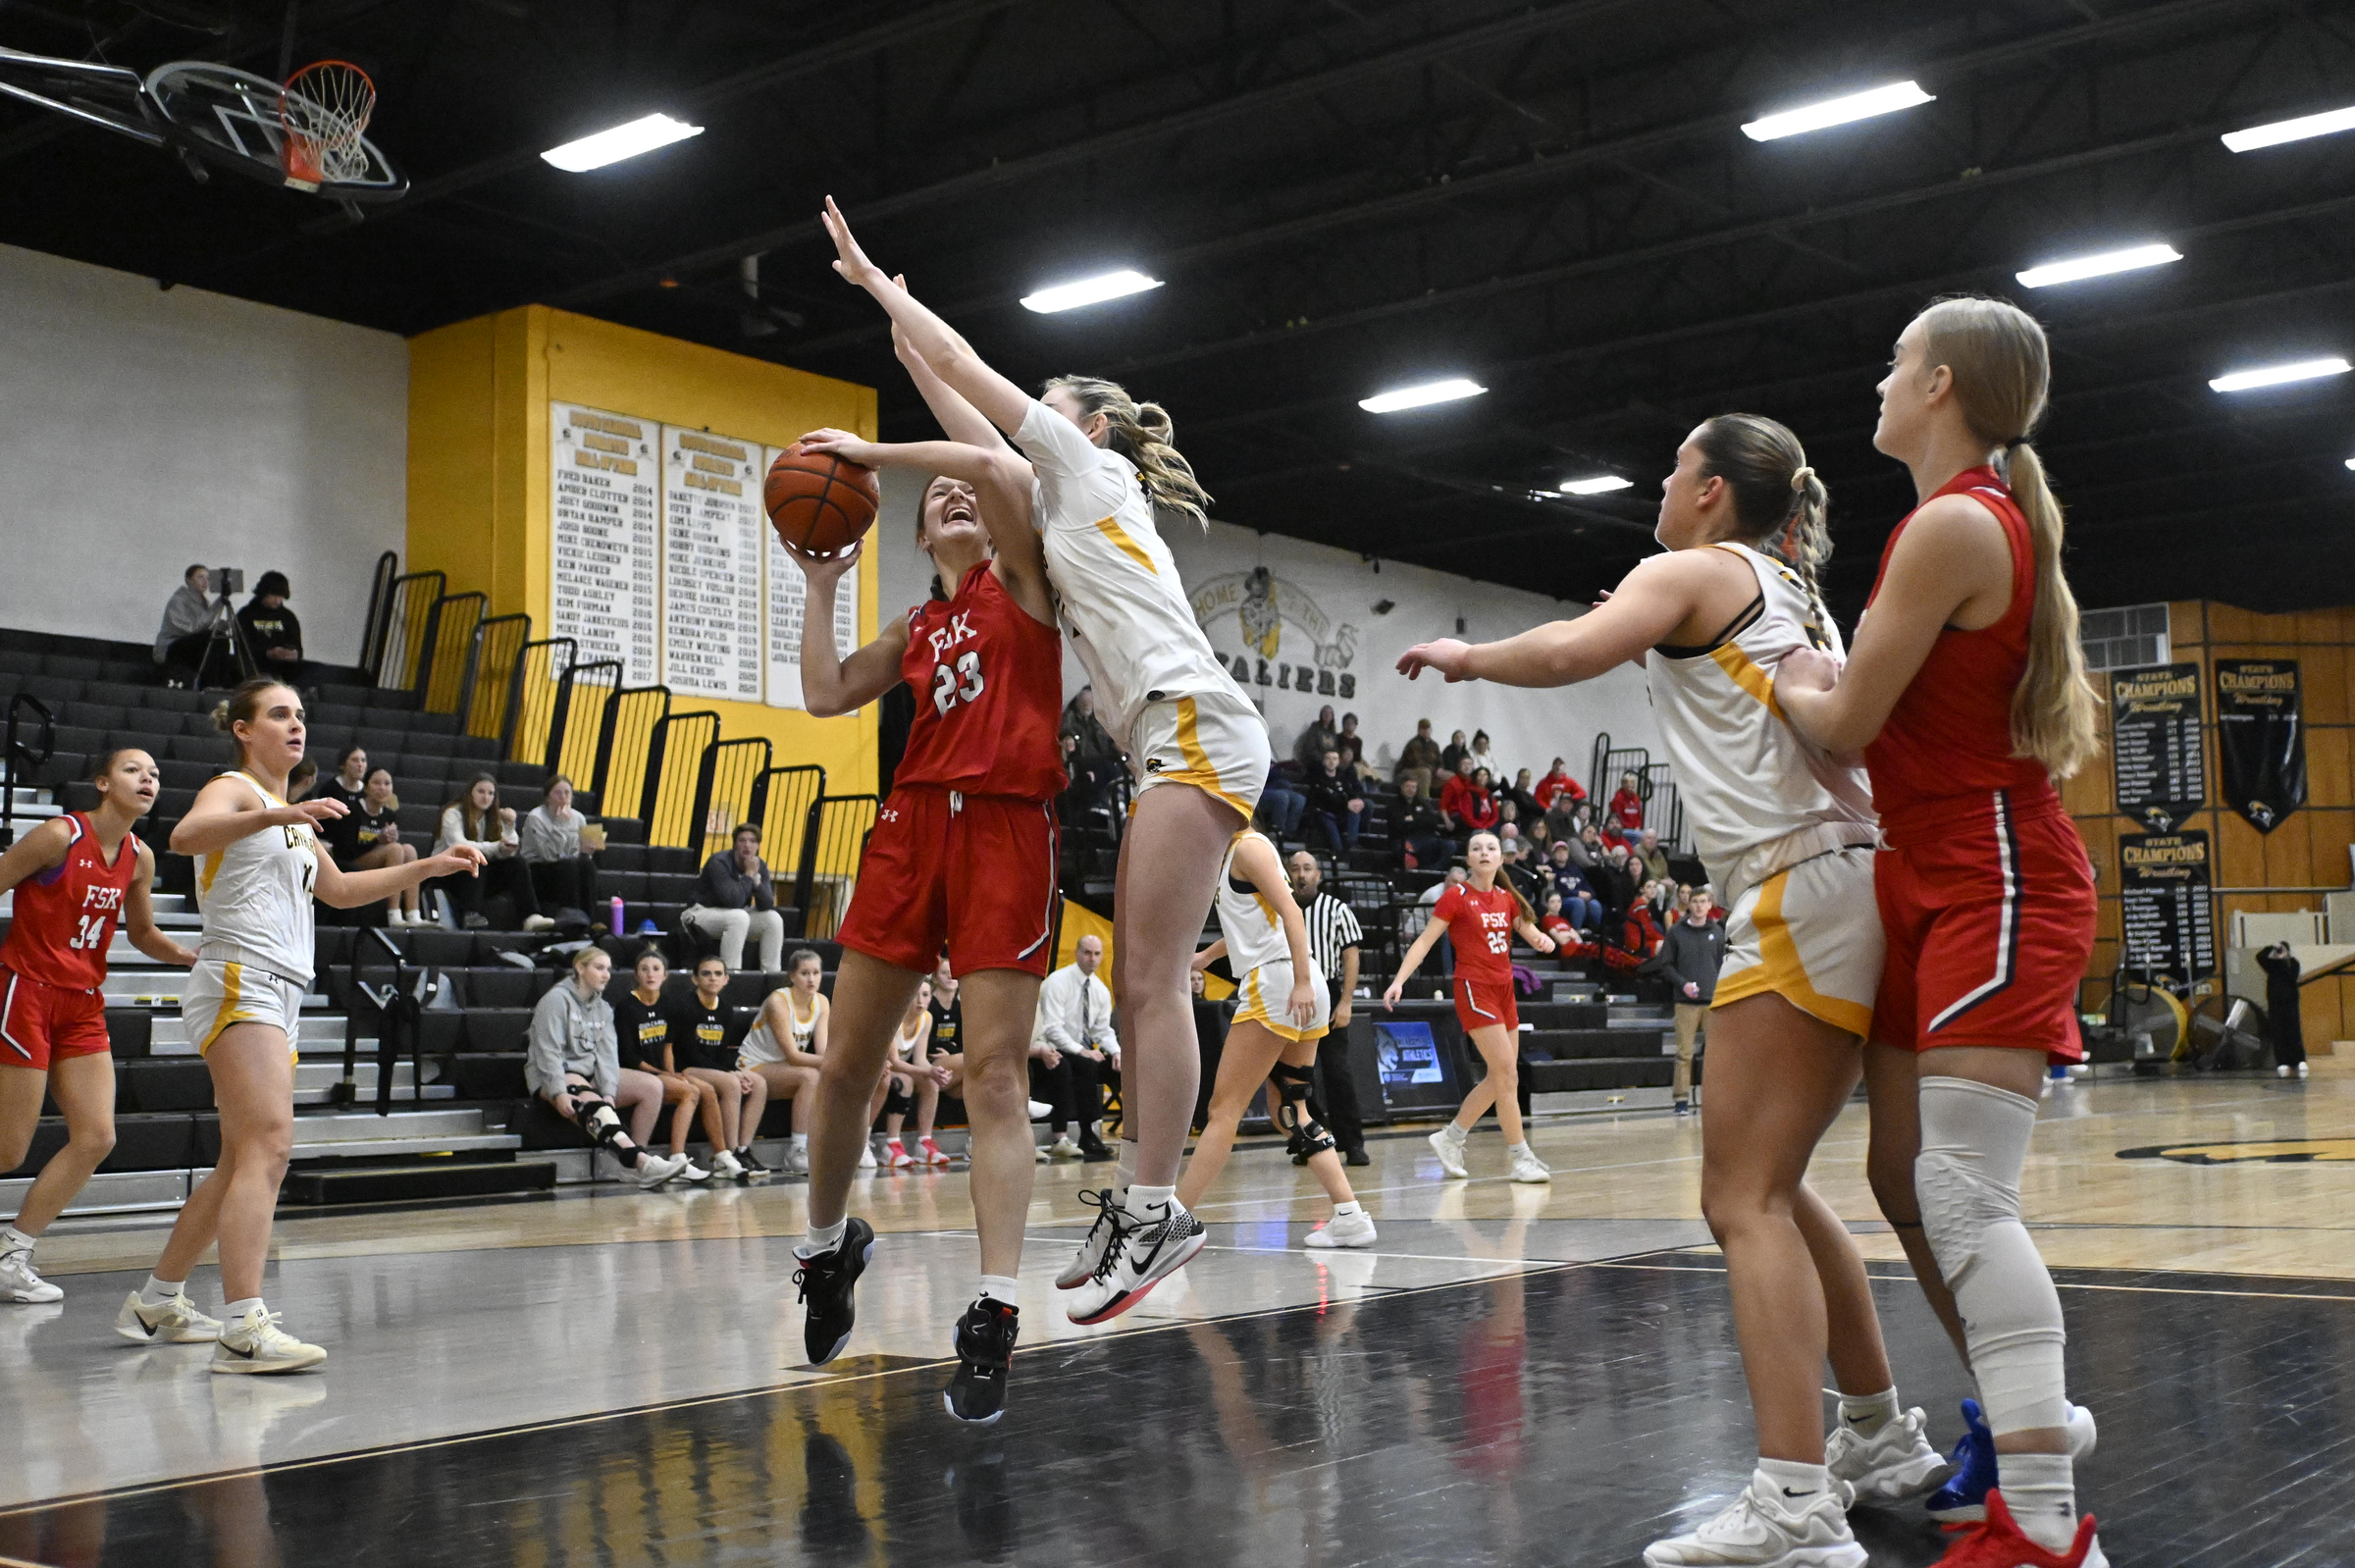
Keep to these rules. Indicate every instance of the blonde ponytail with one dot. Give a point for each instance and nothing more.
(2002, 370)
(1142, 433)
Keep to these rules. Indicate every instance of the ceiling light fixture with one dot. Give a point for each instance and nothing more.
(1421, 397)
(1090, 291)
(2101, 266)
(621, 141)
(2275, 374)
(2298, 129)
(1600, 484)
(1838, 111)
(2351, 462)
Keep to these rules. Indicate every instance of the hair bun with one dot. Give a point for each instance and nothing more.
(1798, 480)
(1154, 420)
(221, 718)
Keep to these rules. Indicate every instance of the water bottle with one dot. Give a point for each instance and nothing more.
(614, 924)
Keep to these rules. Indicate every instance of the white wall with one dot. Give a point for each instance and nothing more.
(143, 428)
(1323, 619)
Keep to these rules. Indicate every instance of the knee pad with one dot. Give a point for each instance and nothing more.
(1974, 1141)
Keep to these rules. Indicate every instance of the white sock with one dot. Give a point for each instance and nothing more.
(1125, 1172)
(1517, 1148)
(2041, 1491)
(13, 1239)
(801, 1143)
(998, 1287)
(1868, 1413)
(1455, 1132)
(156, 1292)
(823, 1239)
(1151, 1203)
(1799, 1482)
(1341, 1210)
(235, 1311)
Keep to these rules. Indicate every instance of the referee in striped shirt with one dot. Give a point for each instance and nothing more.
(1334, 935)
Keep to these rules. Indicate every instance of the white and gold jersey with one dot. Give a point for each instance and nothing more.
(255, 897)
(1253, 930)
(1757, 795)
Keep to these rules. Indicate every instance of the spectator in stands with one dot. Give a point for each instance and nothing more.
(303, 780)
(1080, 722)
(1540, 840)
(1580, 907)
(188, 630)
(273, 635)
(1352, 747)
(1452, 752)
(736, 899)
(1482, 757)
(1530, 877)
(1467, 802)
(475, 817)
(948, 1013)
(913, 1081)
(1416, 828)
(369, 838)
(1074, 1048)
(1655, 859)
(1314, 740)
(349, 780)
(1335, 802)
(564, 874)
(1627, 804)
(1522, 794)
(1611, 882)
(641, 1023)
(1418, 758)
(1691, 956)
(575, 1064)
(1280, 806)
(1556, 924)
(1566, 815)
(707, 1041)
(784, 1047)
(1557, 781)
(1420, 916)
(1586, 850)
(1659, 895)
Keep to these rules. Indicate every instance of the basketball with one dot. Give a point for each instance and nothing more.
(819, 503)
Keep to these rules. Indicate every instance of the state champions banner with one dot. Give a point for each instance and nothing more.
(2260, 739)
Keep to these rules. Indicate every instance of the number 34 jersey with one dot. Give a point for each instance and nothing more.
(65, 918)
(988, 684)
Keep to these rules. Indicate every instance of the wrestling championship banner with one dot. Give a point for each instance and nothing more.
(2158, 756)
(2170, 923)
(2260, 739)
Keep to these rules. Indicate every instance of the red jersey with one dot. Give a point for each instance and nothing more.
(1949, 738)
(65, 918)
(1480, 925)
(988, 684)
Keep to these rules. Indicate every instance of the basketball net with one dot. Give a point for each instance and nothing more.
(323, 109)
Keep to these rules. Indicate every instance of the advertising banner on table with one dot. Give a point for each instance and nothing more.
(2260, 739)
(2158, 756)
(605, 546)
(785, 593)
(2169, 921)
(713, 527)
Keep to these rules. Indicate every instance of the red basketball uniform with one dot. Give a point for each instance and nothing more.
(1985, 890)
(1480, 927)
(53, 964)
(963, 854)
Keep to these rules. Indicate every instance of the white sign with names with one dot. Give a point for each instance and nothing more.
(605, 507)
(713, 529)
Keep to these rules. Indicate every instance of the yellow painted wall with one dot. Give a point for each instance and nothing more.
(479, 393)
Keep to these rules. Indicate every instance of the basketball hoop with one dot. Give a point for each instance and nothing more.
(324, 108)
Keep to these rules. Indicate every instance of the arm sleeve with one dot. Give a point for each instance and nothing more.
(1074, 474)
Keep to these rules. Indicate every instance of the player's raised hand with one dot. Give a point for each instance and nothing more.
(849, 260)
(1449, 657)
(841, 444)
(322, 810)
(823, 568)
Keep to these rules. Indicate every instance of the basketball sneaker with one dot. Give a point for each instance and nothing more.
(1761, 1529)
(18, 1282)
(794, 1161)
(1082, 1267)
(896, 1155)
(934, 1154)
(826, 1285)
(1963, 1497)
(1064, 1148)
(1996, 1541)
(1142, 1252)
(176, 1322)
(1448, 1144)
(1528, 1169)
(985, 1335)
(866, 1155)
(256, 1344)
(1894, 1462)
(657, 1168)
(725, 1166)
(1344, 1231)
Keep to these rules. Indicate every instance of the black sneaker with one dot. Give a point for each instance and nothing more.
(985, 1338)
(1357, 1157)
(1095, 1151)
(751, 1162)
(827, 1283)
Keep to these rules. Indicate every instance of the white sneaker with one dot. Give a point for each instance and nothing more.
(1042, 1156)
(1344, 1231)
(1894, 1462)
(2301, 1069)
(1137, 1256)
(256, 1344)
(1064, 1148)
(2281, 1072)
(176, 1322)
(866, 1155)
(1528, 1169)
(1448, 1145)
(690, 1171)
(538, 922)
(657, 1168)
(794, 1162)
(1040, 1110)
(1760, 1529)
(727, 1165)
(1082, 1265)
(18, 1282)
(900, 1159)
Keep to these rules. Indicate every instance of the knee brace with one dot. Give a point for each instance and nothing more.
(600, 1123)
(1974, 1142)
(1293, 1111)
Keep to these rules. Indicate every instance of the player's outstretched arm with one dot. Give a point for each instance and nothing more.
(945, 350)
(340, 889)
(138, 917)
(1647, 608)
(227, 810)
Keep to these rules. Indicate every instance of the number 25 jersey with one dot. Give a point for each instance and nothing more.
(988, 684)
(65, 918)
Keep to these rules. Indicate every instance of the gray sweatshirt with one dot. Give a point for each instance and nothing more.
(545, 836)
(572, 1033)
(1692, 954)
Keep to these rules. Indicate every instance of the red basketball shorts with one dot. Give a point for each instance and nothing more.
(973, 873)
(1487, 1005)
(1989, 915)
(40, 1021)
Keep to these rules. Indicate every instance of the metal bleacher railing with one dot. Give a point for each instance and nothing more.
(1655, 785)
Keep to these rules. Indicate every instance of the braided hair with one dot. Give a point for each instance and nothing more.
(1779, 504)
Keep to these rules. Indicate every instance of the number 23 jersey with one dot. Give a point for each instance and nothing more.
(988, 684)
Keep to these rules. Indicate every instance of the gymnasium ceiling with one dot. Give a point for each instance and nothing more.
(1347, 195)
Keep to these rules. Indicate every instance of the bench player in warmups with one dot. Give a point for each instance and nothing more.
(75, 877)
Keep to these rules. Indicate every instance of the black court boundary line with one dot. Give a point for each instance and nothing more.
(386, 1450)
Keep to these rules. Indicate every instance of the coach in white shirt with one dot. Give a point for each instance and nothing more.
(1073, 1050)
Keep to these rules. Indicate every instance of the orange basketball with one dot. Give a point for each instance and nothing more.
(817, 503)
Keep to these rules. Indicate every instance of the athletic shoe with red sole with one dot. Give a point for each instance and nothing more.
(1996, 1541)
(1139, 1257)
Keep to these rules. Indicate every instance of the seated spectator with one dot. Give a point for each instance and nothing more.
(1417, 829)
(1467, 802)
(564, 874)
(1556, 782)
(784, 1046)
(1540, 840)
(575, 1064)
(641, 1024)
(1087, 778)
(736, 899)
(475, 817)
(1280, 806)
(1556, 924)
(1314, 740)
(187, 634)
(1612, 883)
(913, 1081)
(303, 781)
(1627, 804)
(1352, 747)
(1482, 757)
(707, 1044)
(1334, 801)
(1659, 896)
(1566, 816)
(1655, 859)
(370, 837)
(1452, 752)
(1580, 907)
(1523, 797)
(1521, 868)
(1418, 758)
(273, 635)
(1073, 1050)
(349, 781)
